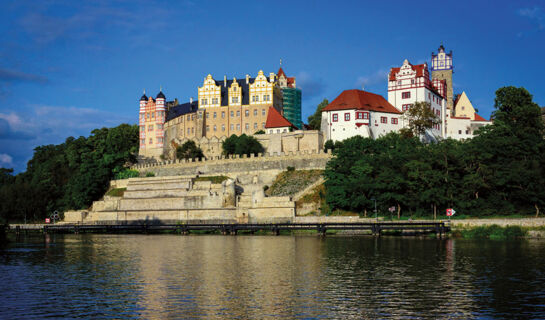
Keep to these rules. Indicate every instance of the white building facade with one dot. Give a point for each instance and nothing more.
(409, 84)
(359, 113)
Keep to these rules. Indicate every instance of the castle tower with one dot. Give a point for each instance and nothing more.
(142, 120)
(441, 69)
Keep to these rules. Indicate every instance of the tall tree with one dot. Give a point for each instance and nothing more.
(420, 117)
(189, 150)
(315, 120)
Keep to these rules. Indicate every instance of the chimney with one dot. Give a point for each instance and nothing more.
(247, 79)
(190, 99)
(271, 77)
(225, 81)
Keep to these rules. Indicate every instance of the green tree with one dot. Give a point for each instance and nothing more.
(240, 145)
(189, 150)
(315, 120)
(421, 118)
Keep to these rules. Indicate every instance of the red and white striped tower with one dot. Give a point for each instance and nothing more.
(160, 119)
(142, 120)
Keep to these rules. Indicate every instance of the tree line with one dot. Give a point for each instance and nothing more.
(501, 171)
(70, 175)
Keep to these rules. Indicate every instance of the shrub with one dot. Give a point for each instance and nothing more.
(150, 174)
(259, 132)
(291, 168)
(127, 173)
(241, 145)
(189, 150)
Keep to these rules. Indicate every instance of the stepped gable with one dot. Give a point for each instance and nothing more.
(291, 80)
(419, 68)
(245, 87)
(276, 120)
(361, 100)
(181, 109)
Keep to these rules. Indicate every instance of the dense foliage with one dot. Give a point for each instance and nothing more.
(421, 117)
(70, 175)
(240, 145)
(499, 172)
(189, 150)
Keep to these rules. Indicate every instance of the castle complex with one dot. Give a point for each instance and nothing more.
(223, 108)
(271, 105)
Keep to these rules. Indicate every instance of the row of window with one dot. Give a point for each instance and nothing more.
(151, 115)
(362, 115)
(246, 127)
(151, 127)
(204, 102)
(266, 97)
(246, 113)
(143, 141)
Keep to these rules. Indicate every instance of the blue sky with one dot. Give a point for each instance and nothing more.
(67, 67)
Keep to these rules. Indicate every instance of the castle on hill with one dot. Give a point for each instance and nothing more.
(271, 105)
(358, 112)
(224, 107)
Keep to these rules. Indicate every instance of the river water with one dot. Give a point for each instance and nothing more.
(261, 277)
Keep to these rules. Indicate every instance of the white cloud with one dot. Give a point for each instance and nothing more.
(6, 159)
(535, 14)
(380, 76)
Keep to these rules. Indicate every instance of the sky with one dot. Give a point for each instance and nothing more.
(68, 67)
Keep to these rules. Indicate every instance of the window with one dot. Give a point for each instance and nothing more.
(187, 131)
(238, 126)
(232, 127)
(142, 128)
(153, 115)
(405, 107)
(142, 141)
(150, 141)
(215, 115)
(214, 100)
(255, 125)
(262, 112)
(429, 96)
(215, 128)
(234, 100)
(383, 119)
(277, 130)
(463, 107)
(188, 117)
(223, 114)
(347, 116)
(359, 115)
(412, 81)
(147, 115)
(394, 120)
(255, 112)
(406, 95)
(247, 126)
(262, 125)
(459, 131)
(247, 113)
(193, 117)
(232, 114)
(204, 102)
(207, 115)
(366, 115)
(335, 117)
(238, 113)
(207, 128)
(222, 127)
(467, 131)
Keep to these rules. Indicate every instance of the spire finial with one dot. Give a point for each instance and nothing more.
(160, 88)
(144, 90)
(280, 61)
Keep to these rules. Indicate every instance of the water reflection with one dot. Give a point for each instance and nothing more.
(256, 277)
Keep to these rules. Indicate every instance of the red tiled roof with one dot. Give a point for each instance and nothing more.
(361, 100)
(479, 118)
(276, 120)
(419, 68)
(291, 81)
(280, 72)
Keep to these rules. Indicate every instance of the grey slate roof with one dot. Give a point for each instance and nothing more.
(181, 109)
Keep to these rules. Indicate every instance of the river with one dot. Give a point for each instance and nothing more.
(265, 277)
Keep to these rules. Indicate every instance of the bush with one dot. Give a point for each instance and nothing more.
(189, 150)
(259, 132)
(241, 145)
(291, 168)
(127, 173)
(150, 174)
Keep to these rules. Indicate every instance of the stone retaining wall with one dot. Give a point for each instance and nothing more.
(523, 222)
(223, 165)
